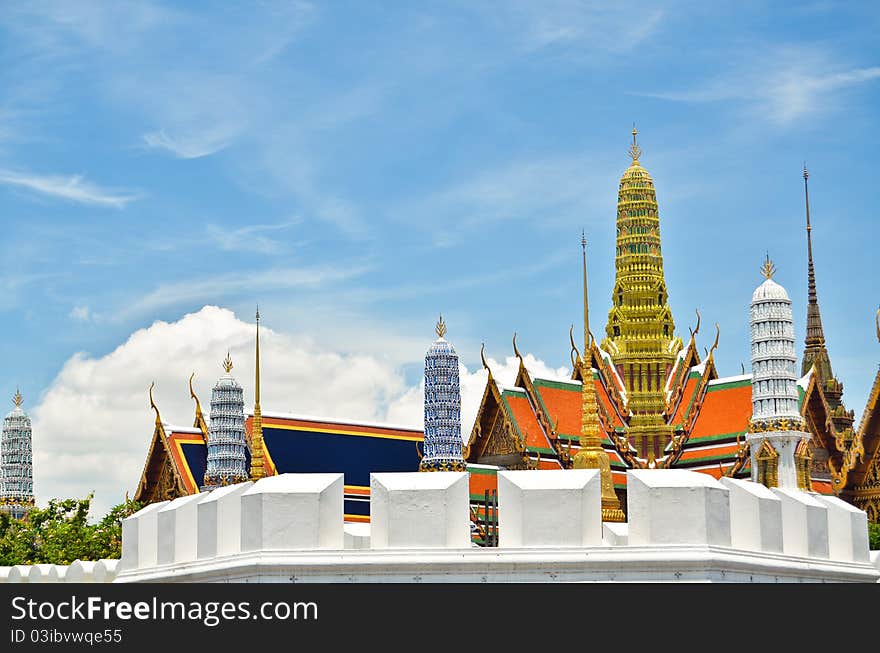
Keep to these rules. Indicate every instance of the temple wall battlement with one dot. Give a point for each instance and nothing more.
(683, 526)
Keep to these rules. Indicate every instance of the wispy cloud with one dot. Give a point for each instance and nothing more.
(192, 145)
(228, 286)
(576, 25)
(545, 190)
(255, 237)
(780, 86)
(74, 188)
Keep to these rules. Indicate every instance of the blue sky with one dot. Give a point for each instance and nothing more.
(357, 168)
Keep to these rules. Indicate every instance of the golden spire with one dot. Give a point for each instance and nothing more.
(17, 398)
(258, 446)
(768, 269)
(591, 455)
(634, 150)
(227, 363)
(440, 329)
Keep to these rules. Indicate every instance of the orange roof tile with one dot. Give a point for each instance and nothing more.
(524, 416)
(726, 409)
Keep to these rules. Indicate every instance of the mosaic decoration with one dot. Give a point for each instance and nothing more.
(226, 441)
(16, 466)
(442, 448)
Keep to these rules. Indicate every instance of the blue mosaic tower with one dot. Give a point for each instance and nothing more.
(442, 449)
(16, 467)
(226, 441)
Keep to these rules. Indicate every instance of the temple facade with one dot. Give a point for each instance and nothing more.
(16, 465)
(659, 403)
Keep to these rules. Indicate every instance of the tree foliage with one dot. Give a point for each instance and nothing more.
(61, 533)
(874, 536)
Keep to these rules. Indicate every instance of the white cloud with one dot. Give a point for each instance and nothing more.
(74, 188)
(92, 427)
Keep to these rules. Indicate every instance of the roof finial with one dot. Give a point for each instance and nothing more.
(17, 399)
(634, 150)
(153, 404)
(227, 363)
(516, 349)
(768, 269)
(440, 329)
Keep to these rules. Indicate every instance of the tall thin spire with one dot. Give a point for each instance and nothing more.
(814, 351)
(586, 300)
(591, 455)
(258, 463)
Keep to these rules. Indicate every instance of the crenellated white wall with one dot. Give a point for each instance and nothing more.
(684, 526)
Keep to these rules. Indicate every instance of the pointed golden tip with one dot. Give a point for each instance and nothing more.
(717, 336)
(515, 348)
(153, 403)
(634, 150)
(440, 329)
(227, 363)
(768, 269)
(583, 240)
(483, 355)
(258, 313)
(17, 398)
(806, 172)
(191, 393)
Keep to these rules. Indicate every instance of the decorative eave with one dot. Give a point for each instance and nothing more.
(817, 414)
(679, 439)
(159, 458)
(868, 435)
(678, 376)
(524, 381)
(479, 437)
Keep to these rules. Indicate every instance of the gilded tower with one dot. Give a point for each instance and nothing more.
(641, 332)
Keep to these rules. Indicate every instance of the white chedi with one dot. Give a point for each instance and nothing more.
(776, 419)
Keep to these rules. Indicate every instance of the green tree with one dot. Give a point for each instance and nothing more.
(874, 536)
(60, 533)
